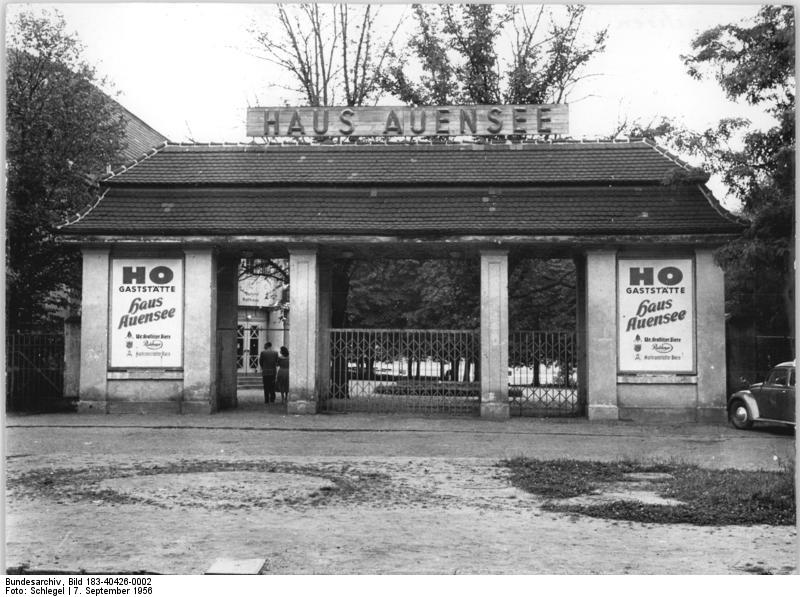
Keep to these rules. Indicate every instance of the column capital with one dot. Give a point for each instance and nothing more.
(492, 252)
(96, 251)
(303, 249)
(601, 251)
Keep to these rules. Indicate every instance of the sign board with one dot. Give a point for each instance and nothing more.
(258, 291)
(406, 121)
(146, 327)
(655, 298)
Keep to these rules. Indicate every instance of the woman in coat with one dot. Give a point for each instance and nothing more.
(282, 382)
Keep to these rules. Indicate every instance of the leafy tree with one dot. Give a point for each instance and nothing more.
(755, 61)
(60, 129)
(752, 61)
(455, 49)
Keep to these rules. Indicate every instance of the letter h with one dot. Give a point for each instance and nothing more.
(133, 276)
(271, 121)
(641, 276)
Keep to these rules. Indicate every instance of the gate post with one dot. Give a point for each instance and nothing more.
(601, 334)
(710, 334)
(494, 334)
(325, 323)
(227, 306)
(303, 331)
(200, 332)
(72, 356)
(580, 336)
(93, 392)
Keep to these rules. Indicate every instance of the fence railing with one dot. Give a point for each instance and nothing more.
(34, 370)
(543, 374)
(391, 370)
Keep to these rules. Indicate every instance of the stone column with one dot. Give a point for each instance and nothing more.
(303, 331)
(72, 357)
(580, 324)
(601, 334)
(710, 338)
(227, 306)
(325, 320)
(93, 391)
(200, 332)
(494, 334)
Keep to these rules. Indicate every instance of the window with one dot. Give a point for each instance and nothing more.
(778, 377)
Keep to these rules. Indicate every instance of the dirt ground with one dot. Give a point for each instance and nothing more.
(350, 495)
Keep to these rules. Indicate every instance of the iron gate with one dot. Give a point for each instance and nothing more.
(390, 370)
(34, 370)
(543, 377)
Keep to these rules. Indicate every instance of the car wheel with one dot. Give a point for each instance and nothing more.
(739, 415)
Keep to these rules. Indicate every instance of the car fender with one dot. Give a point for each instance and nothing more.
(748, 399)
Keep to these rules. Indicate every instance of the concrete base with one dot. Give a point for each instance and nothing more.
(92, 407)
(655, 415)
(135, 407)
(301, 407)
(495, 410)
(196, 407)
(713, 414)
(602, 412)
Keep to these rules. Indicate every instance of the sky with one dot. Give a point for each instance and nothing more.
(191, 70)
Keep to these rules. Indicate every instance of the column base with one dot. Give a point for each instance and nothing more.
(603, 412)
(196, 407)
(712, 414)
(301, 407)
(495, 410)
(99, 407)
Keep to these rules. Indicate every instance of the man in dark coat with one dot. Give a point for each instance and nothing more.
(268, 361)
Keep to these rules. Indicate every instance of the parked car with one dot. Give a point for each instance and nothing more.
(771, 401)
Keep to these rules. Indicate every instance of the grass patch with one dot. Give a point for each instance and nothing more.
(710, 497)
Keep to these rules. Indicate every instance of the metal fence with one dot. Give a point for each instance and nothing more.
(438, 371)
(390, 370)
(543, 374)
(34, 370)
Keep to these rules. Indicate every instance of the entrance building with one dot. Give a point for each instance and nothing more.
(162, 246)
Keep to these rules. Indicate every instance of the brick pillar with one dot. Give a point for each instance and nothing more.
(494, 334)
(601, 334)
(710, 334)
(303, 331)
(227, 306)
(93, 392)
(200, 332)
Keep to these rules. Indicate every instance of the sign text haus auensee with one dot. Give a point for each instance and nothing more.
(406, 121)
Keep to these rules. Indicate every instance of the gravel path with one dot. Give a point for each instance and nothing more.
(427, 500)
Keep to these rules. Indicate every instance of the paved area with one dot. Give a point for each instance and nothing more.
(171, 493)
(254, 431)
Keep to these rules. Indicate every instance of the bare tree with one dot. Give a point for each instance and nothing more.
(332, 52)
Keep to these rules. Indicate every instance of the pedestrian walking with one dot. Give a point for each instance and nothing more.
(282, 381)
(268, 361)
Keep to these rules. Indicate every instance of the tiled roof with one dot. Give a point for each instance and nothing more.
(401, 210)
(394, 163)
(139, 136)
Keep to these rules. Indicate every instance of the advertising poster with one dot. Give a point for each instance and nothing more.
(146, 328)
(656, 315)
